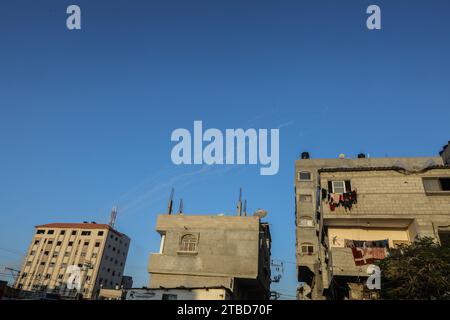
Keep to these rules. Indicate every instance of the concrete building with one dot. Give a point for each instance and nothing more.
(210, 293)
(98, 250)
(210, 257)
(370, 203)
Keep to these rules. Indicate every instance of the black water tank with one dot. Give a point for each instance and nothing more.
(361, 156)
(305, 155)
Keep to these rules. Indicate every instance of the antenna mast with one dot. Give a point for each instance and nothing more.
(239, 204)
(170, 204)
(112, 219)
(180, 210)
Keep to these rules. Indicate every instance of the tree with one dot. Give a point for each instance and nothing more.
(418, 271)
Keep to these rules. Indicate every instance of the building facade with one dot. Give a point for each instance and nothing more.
(210, 256)
(58, 250)
(350, 211)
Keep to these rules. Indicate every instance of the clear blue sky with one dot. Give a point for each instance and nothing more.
(86, 116)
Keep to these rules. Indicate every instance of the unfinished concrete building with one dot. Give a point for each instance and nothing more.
(343, 204)
(211, 257)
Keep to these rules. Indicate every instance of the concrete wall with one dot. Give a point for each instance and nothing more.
(229, 250)
(390, 193)
(180, 294)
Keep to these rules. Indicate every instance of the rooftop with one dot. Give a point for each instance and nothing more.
(83, 225)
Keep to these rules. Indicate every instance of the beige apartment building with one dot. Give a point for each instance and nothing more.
(205, 257)
(98, 250)
(348, 206)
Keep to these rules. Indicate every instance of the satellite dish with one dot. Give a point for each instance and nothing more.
(260, 213)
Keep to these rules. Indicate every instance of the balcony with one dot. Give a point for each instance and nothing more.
(341, 263)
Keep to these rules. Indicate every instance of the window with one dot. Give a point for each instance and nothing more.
(305, 198)
(188, 243)
(63, 232)
(55, 254)
(436, 184)
(50, 231)
(74, 233)
(100, 233)
(306, 222)
(307, 249)
(40, 231)
(36, 241)
(445, 184)
(304, 176)
(167, 296)
(59, 243)
(444, 237)
(70, 243)
(86, 243)
(32, 253)
(85, 233)
(66, 254)
(60, 276)
(339, 186)
(94, 255)
(50, 242)
(97, 244)
(46, 253)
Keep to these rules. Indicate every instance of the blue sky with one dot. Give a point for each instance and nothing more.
(86, 116)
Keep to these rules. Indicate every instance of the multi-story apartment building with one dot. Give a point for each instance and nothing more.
(371, 203)
(58, 249)
(210, 257)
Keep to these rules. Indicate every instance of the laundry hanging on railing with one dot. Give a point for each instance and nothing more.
(366, 244)
(367, 252)
(346, 199)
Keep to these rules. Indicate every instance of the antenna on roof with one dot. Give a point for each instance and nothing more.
(112, 219)
(180, 209)
(239, 204)
(170, 204)
(245, 207)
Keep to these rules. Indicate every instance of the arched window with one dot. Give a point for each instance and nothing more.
(307, 249)
(188, 243)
